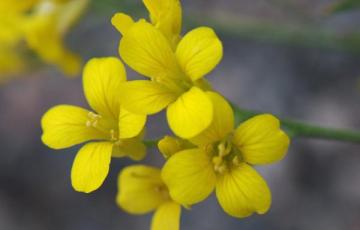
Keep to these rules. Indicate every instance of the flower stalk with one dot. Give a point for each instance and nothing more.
(297, 129)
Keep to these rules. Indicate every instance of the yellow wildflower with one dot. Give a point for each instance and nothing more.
(224, 159)
(141, 190)
(175, 76)
(46, 28)
(165, 15)
(43, 25)
(113, 130)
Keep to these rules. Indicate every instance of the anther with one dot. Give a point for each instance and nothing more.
(112, 135)
(217, 160)
(93, 119)
(236, 161)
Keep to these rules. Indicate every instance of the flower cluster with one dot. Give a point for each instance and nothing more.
(208, 151)
(42, 24)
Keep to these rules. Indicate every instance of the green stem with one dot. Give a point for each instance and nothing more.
(151, 143)
(298, 129)
(293, 128)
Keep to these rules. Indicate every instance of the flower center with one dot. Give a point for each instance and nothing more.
(105, 125)
(178, 85)
(225, 156)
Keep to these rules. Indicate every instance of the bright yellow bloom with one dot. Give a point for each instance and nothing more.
(43, 24)
(224, 159)
(141, 190)
(113, 130)
(165, 15)
(175, 76)
(46, 28)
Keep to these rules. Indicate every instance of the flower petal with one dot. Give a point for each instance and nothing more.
(147, 51)
(260, 140)
(167, 217)
(222, 124)
(242, 191)
(122, 22)
(199, 52)
(91, 166)
(65, 126)
(102, 79)
(169, 145)
(190, 114)
(167, 17)
(140, 189)
(132, 148)
(190, 176)
(145, 97)
(130, 124)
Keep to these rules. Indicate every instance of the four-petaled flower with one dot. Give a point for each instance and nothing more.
(42, 24)
(223, 160)
(141, 190)
(112, 130)
(175, 73)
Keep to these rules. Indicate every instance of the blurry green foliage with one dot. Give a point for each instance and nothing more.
(345, 5)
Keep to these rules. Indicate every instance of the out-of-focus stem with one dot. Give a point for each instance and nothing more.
(298, 129)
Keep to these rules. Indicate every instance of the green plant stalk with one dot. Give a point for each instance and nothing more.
(298, 129)
(294, 129)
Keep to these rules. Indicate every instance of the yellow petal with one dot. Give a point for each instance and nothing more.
(91, 166)
(140, 189)
(45, 29)
(69, 13)
(260, 140)
(146, 50)
(122, 22)
(242, 191)
(167, 217)
(130, 124)
(102, 79)
(132, 148)
(190, 114)
(145, 97)
(166, 15)
(199, 52)
(169, 145)
(16, 6)
(65, 126)
(190, 176)
(222, 124)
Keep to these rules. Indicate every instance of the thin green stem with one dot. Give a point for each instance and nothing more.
(151, 143)
(295, 129)
(298, 129)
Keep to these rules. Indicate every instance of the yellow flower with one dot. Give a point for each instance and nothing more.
(175, 77)
(224, 159)
(141, 190)
(45, 30)
(43, 24)
(165, 15)
(112, 130)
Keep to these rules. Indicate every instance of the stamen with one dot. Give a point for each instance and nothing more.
(93, 119)
(112, 135)
(118, 143)
(236, 161)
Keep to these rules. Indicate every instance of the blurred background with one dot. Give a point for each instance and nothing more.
(293, 58)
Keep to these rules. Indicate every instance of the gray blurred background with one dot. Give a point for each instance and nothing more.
(288, 57)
